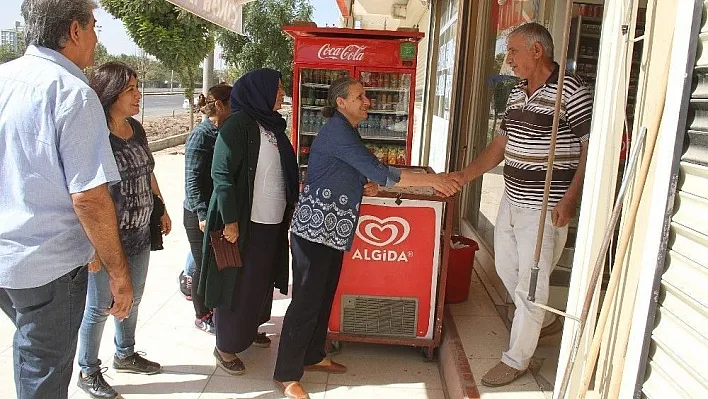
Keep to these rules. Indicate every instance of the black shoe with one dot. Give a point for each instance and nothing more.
(95, 386)
(185, 285)
(136, 364)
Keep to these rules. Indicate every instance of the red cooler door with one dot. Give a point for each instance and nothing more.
(387, 130)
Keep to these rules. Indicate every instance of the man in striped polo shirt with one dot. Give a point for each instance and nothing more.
(523, 142)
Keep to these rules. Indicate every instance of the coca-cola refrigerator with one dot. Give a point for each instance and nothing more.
(384, 61)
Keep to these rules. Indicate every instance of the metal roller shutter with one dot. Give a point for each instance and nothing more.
(677, 357)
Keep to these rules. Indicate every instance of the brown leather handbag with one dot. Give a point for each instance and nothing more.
(226, 253)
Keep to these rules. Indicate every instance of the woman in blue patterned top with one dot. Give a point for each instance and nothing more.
(323, 228)
(117, 88)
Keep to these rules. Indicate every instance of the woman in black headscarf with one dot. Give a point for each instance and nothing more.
(255, 188)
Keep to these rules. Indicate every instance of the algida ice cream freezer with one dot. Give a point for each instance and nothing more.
(392, 286)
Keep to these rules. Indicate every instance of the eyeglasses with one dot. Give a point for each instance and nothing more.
(213, 100)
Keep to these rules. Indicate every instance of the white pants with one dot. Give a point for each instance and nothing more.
(514, 248)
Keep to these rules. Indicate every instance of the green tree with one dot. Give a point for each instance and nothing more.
(177, 38)
(100, 57)
(264, 44)
(7, 53)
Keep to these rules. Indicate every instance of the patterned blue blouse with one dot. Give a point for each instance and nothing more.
(328, 208)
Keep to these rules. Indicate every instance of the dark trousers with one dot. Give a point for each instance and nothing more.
(236, 327)
(196, 238)
(316, 270)
(47, 319)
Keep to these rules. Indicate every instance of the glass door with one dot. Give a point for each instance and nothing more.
(314, 84)
(386, 131)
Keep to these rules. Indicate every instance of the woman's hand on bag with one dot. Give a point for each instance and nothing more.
(165, 223)
(231, 232)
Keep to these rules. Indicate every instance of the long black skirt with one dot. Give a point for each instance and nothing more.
(236, 327)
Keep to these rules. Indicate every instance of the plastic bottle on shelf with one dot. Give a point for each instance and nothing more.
(377, 125)
(310, 120)
(363, 126)
(365, 79)
(384, 125)
(304, 122)
(395, 80)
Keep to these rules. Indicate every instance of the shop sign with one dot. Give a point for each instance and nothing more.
(351, 52)
(385, 238)
(408, 51)
(225, 13)
(345, 51)
(382, 233)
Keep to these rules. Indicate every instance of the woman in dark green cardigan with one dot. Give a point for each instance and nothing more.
(255, 187)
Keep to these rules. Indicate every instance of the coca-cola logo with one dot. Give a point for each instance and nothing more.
(351, 52)
(382, 232)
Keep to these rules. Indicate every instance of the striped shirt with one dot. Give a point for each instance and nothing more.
(527, 124)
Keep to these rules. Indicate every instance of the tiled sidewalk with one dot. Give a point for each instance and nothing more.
(166, 335)
(484, 336)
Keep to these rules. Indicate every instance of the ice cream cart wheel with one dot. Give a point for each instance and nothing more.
(429, 353)
(333, 347)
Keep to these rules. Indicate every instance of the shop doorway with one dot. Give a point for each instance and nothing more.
(482, 199)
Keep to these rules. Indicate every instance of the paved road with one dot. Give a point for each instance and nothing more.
(163, 105)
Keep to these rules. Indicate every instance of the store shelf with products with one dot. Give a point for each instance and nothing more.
(386, 130)
(584, 47)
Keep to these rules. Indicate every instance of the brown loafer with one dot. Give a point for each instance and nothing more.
(334, 368)
(233, 367)
(293, 390)
(501, 375)
(261, 341)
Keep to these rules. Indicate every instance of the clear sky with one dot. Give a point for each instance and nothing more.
(113, 35)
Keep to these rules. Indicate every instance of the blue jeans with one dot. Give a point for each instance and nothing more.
(189, 265)
(47, 320)
(98, 301)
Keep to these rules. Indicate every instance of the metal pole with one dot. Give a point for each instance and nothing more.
(142, 102)
(17, 38)
(172, 79)
(551, 151)
(207, 72)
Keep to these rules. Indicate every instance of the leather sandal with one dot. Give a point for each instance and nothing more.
(293, 390)
(334, 368)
